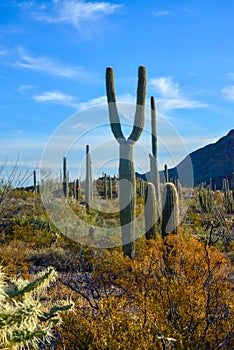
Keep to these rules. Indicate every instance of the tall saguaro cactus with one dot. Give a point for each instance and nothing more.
(154, 174)
(127, 185)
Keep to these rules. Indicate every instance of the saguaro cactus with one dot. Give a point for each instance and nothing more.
(154, 174)
(88, 179)
(151, 211)
(77, 190)
(166, 173)
(34, 181)
(110, 187)
(105, 186)
(65, 178)
(127, 185)
(170, 213)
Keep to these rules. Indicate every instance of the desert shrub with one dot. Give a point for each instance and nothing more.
(174, 295)
(61, 259)
(14, 257)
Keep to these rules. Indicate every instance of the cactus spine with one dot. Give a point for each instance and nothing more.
(151, 213)
(88, 179)
(154, 174)
(170, 213)
(65, 178)
(127, 185)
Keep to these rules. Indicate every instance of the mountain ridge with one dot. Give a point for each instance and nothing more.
(215, 160)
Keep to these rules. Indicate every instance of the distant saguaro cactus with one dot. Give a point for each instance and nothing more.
(77, 190)
(154, 174)
(65, 178)
(170, 213)
(166, 173)
(34, 181)
(205, 199)
(88, 179)
(105, 186)
(110, 187)
(127, 186)
(151, 212)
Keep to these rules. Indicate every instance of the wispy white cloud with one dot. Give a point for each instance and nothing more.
(77, 12)
(161, 13)
(165, 86)
(47, 65)
(228, 92)
(56, 97)
(170, 95)
(24, 88)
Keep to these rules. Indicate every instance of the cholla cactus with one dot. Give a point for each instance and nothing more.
(127, 184)
(24, 322)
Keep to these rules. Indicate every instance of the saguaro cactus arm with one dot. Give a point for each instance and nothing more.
(113, 111)
(139, 119)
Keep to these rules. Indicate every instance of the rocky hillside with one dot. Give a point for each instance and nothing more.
(214, 161)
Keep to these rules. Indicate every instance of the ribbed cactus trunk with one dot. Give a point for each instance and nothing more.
(88, 179)
(65, 180)
(127, 182)
(154, 174)
(151, 212)
(142, 188)
(170, 213)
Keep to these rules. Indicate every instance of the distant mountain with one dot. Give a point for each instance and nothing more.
(214, 161)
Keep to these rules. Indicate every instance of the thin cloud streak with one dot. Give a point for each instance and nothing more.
(161, 13)
(56, 97)
(47, 65)
(77, 12)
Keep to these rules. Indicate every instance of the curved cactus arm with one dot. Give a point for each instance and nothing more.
(139, 119)
(113, 111)
(153, 127)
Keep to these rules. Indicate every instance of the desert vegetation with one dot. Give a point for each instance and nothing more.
(168, 285)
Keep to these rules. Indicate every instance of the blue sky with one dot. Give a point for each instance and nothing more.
(53, 57)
